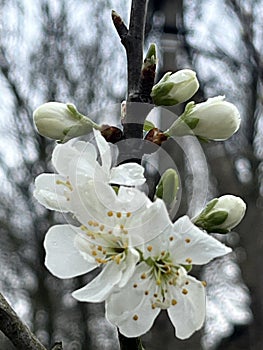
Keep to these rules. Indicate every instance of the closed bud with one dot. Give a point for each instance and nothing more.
(175, 88)
(221, 214)
(214, 119)
(168, 187)
(61, 121)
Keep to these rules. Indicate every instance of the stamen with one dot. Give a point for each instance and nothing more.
(188, 260)
(135, 285)
(94, 253)
(102, 227)
(118, 214)
(128, 214)
(185, 291)
(204, 283)
(146, 292)
(149, 248)
(153, 306)
(135, 317)
(174, 302)
(110, 213)
(171, 238)
(100, 248)
(187, 240)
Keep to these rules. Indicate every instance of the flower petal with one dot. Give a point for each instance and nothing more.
(192, 245)
(129, 174)
(188, 314)
(104, 150)
(101, 287)
(50, 194)
(132, 257)
(130, 309)
(63, 259)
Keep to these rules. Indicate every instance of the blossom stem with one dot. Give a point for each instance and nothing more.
(130, 343)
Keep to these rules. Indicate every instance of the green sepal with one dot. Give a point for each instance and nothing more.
(147, 126)
(188, 268)
(217, 230)
(216, 218)
(191, 122)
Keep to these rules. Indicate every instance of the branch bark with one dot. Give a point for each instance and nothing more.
(17, 332)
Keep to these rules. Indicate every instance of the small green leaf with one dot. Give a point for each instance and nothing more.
(191, 122)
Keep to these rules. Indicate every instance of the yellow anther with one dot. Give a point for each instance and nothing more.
(102, 227)
(94, 253)
(187, 282)
(135, 317)
(143, 276)
(204, 283)
(90, 222)
(117, 259)
(163, 253)
(128, 214)
(100, 248)
(171, 238)
(118, 214)
(104, 251)
(188, 260)
(121, 226)
(155, 295)
(110, 213)
(135, 285)
(149, 248)
(187, 240)
(158, 282)
(146, 292)
(184, 291)
(174, 302)
(153, 306)
(110, 232)
(95, 224)
(83, 228)
(125, 232)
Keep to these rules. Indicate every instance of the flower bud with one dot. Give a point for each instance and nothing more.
(168, 187)
(61, 121)
(175, 88)
(221, 214)
(214, 119)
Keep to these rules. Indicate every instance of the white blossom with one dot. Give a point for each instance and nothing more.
(76, 163)
(161, 282)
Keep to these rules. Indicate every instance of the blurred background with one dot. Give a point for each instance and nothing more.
(68, 51)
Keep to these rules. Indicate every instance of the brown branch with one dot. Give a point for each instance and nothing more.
(18, 333)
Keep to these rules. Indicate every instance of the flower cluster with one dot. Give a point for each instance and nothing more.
(144, 257)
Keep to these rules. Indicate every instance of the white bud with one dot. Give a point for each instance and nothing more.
(61, 121)
(175, 88)
(168, 187)
(214, 119)
(221, 214)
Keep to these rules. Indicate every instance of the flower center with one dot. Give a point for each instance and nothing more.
(165, 274)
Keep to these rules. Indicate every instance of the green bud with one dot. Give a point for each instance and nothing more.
(168, 187)
(221, 214)
(61, 121)
(175, 88)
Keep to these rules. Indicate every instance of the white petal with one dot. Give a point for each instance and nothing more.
(129, 174)
(188, 314)
(151, 223)
(63, 259)
(131, 309)
(50, 194)
(192, 243)
(101, 287)
(62, 155)
(131, 260)
(104, 150)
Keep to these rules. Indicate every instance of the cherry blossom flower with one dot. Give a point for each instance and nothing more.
(107, 237)
(161, 282)
(76, 163)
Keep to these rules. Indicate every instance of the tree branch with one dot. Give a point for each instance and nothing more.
(17, 332)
